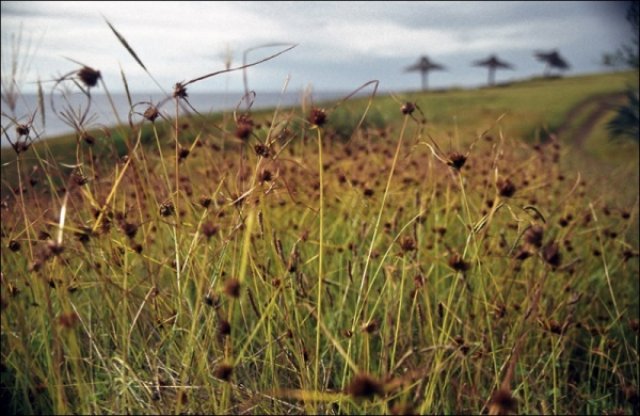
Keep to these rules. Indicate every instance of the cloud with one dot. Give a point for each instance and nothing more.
(182, 40)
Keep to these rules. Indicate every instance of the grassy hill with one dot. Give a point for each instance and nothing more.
(468, 251)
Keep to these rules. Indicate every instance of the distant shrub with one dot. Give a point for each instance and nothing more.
(627, 119)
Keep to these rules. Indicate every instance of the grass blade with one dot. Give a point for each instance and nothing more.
(125, 44)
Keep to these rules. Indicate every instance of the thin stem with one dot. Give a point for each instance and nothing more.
(320, 252)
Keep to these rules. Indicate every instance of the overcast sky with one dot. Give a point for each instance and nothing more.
(341, 44)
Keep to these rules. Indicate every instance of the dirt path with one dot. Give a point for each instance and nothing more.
(579, 133)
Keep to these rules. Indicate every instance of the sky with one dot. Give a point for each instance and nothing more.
(341, 45)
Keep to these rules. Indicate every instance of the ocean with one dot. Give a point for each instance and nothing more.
(101, 113)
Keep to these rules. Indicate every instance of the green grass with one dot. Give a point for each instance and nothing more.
(331, 270)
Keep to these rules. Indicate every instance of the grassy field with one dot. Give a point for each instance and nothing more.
(447, 253)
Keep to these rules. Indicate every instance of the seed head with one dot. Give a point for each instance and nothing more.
(244, 127)
(151, 113)
(180, 91)
(89, 76)
(502, 403)
(522, 254)
(68, 320)
(223, 372)
(402, 409)
(370, 327)
(457, 160)
(87, 138)
(129, 229)
(232, 288)
(262, 150)
(318, 116)
(551, 254)
(224, 327)
(266, 176)
(167, 209)
(407, 244)
(22, 130)
(365, 386)
(457, 263)
(506, 188)
(205, 201)
(54, 248)
(14, 245)
(533, 236)
(408, 108)
(209, 230)
(212, 300)
(183, 153)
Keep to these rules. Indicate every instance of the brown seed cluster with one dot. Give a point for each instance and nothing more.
(223, 372)
(408, 108)
(151, 113)
(318, 116)
(502, 403)
(167, 209)
(407, 244)
(180, 91)
(506, 188)
(232, 288)
(533, 236)
(457, 160)
(365, 386)
(551, 254)
(244, 127)
(457, 263)
(89, 76)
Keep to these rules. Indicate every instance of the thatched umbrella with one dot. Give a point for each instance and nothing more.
(493, 63)
(424, 65)
(552, 60)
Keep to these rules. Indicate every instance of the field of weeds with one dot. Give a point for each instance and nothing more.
(430, 253)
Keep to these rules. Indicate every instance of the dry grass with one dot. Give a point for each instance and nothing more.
(263, 264)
